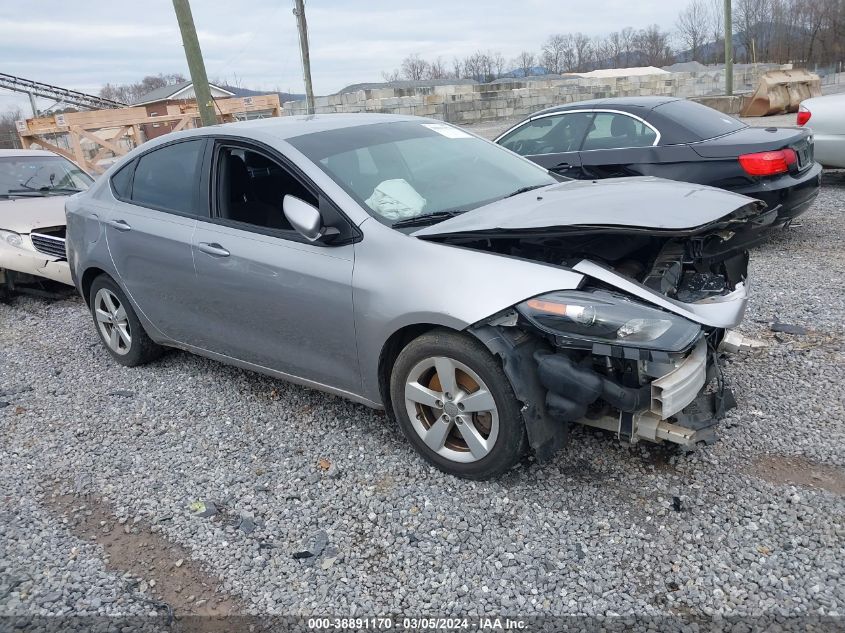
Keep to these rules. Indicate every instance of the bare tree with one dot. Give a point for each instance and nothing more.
(581, 45)
(615, 48)
(479, 66)
(457, 68)
(130, 93)
(716, 23)
(8, 129)
(414, 67)
(437, 69)
(497, 63)
(524, 62)
(693, 26)
(389, 77)
(553, 51)
(628, 38)
(653, 45)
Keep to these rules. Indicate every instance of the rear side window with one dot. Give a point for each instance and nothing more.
(121, 182)
(611, 130)
(702, 122)
(168, 178)
(549, 134)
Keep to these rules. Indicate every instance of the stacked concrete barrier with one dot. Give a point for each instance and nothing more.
(481, 102)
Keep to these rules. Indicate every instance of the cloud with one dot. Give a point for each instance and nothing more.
(118, 42)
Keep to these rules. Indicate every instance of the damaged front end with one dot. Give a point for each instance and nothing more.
(633, 349)
(634, 389)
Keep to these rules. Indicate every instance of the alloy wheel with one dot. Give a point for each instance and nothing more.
(451, 409)
(112, 321)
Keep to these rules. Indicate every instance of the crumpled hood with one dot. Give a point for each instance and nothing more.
(23, 215)
(641, 202)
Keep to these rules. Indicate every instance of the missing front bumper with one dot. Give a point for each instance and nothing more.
(677, 406)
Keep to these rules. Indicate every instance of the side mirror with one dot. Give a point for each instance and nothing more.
(303, 217)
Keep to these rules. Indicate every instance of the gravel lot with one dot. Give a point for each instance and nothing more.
(107, 473)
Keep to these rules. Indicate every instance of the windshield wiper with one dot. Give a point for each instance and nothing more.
(44, 191)
(524, 190)
(425, 219)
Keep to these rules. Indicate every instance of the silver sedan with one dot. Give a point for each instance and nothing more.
(825, 116)
(407, 264)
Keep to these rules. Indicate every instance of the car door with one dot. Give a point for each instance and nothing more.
(148, 231)
(265, 295)
(618, 144)
(551, 140)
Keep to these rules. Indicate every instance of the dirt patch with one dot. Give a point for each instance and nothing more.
(164, 571)
(799, 471)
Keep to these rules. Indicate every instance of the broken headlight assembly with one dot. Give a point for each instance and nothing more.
(12, 239)
(609, 318)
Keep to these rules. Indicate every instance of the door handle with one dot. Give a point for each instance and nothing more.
(120, 225)
(213, 249)
(562, 166)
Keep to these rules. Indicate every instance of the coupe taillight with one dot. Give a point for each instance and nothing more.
(803, 115)
(768, 163)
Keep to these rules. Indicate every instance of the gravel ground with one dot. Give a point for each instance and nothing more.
(235, 476)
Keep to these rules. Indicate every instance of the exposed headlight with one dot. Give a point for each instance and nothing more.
(12, 238)
(604, 317)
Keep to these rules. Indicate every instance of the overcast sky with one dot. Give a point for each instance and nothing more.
(83, 45)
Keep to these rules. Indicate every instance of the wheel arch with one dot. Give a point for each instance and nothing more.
(87, 281)
(390, 351)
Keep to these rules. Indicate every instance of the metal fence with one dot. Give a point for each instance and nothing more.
(830, 74)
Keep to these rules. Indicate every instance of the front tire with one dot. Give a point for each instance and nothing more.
(118, 327)
(456, 407)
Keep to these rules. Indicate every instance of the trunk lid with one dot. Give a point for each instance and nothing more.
(751, 140)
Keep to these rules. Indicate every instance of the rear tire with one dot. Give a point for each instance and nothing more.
(117, 325)
(456, 407)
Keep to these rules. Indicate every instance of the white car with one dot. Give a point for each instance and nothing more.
(34, 185)
(825, 116)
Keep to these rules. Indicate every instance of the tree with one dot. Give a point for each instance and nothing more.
(693, 26)
(716, 24)
(497, 63)
(130, 93)
(614, 48)
(653, 46)
(553, 51)
(628, 39)
(457, 68)
(437, 69)
(524, 62)
(479, 66)
(389, 77)
(8, 129)
(581, 45)
(414, 68)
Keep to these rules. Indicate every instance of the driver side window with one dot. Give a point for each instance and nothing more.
(549, 135)
(250, 188)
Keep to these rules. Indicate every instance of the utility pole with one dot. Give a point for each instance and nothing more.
(195, 64)
(302, 26)
(729, 53)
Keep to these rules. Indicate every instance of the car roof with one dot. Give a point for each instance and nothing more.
(25, 152)
(623, 103)
(286, 127)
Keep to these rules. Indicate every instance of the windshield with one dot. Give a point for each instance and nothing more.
(403, 170)
(40, 176)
